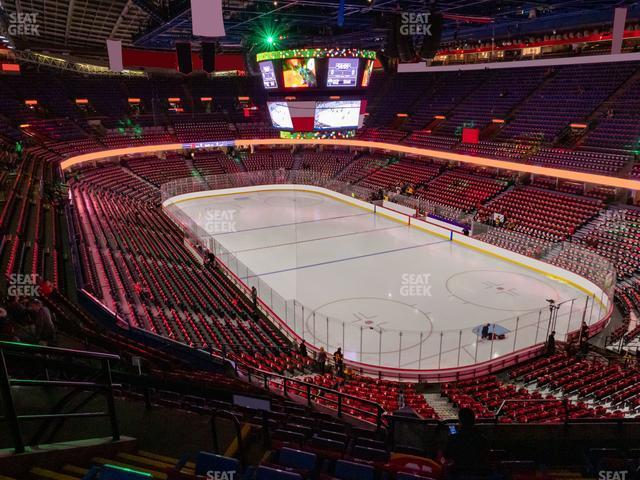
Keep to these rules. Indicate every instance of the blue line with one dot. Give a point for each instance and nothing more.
(347, 259)
(319, 238)
(293, 223)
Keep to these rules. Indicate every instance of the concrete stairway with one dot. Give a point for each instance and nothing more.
(442, 406)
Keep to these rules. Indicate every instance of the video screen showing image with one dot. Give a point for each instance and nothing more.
(366, 77)
(299, 72)
(280, 116)
(268, 75)
(343, 72)
(337, 114)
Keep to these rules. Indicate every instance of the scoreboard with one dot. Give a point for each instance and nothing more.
(343, 72)
(317, 115)
(316, 69)
(316, 90)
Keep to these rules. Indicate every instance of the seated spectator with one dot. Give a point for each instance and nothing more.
(348, 373)
(467, 451)
(16, 325)
(16, 310)
(43, 329)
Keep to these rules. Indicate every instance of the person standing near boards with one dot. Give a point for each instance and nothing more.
(254, 296)
(322, 360)
(302, 349)
(584, 338)
(485, 332)
(551, 343)
(338, 358)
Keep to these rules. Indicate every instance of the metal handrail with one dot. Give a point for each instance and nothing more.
(69, 352)
(6, 384)
(46, 426)
(299, 386)
(216, 445)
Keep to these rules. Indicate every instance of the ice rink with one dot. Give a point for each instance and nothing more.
(387, 293)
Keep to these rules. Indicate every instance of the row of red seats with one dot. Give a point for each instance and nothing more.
(328, 162)
(615, 235)
(29, 221)
(158, 170)
(536, 211)
(269, 160)
(587, 379)
(196, 306)
(400, 174)
(487, 395)
(460, 190)
(391, 395)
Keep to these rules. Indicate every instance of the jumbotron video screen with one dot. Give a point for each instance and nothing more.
(316, 90)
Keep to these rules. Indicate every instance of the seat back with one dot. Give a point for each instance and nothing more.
(411, 476)
(288, 436)
(372, 454)
(336, 436)
(289, 457)
(346, 470)
(327, 444)
(268, 473)
(370, 443)
(518, 467)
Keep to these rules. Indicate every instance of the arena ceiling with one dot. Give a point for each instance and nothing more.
(81, 26)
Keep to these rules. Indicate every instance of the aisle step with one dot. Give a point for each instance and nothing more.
(442, 406)
(45, 474)
(148, 462)
(75, 471)
(164, 458)
(106, 461)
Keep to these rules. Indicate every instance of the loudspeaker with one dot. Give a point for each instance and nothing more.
(406, 50)
(400, 42)
(184, 58)
(391, 47)
(208, 53)
(253, 69)
(431, 43)
(389, 65)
